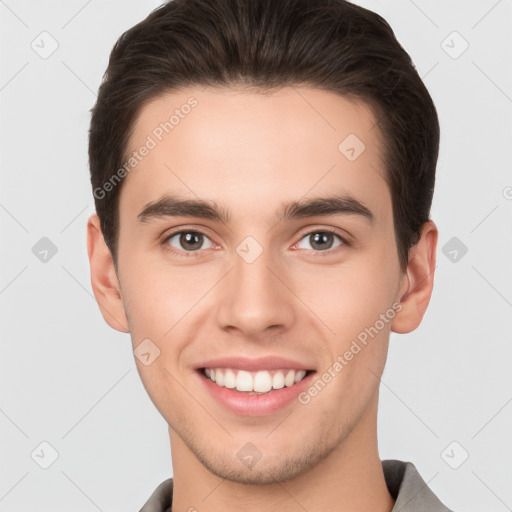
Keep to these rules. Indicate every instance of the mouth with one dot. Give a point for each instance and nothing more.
(257, 382)
(254, 386)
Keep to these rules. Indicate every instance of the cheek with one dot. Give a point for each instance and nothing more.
(350, 296)
(356, 303)
(162, 387)
(156, 295)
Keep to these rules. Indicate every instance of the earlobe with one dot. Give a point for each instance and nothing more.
(418, 284)
(104, 280)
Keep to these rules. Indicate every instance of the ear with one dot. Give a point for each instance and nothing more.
(418, 281)
(104, 280)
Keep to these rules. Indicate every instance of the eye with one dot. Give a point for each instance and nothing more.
(322, 240)
(187, 241)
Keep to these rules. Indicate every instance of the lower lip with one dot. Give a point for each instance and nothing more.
(255, 405)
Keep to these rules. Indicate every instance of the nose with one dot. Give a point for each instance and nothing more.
(255, 297)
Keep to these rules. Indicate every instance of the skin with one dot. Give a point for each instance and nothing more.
(249, 152)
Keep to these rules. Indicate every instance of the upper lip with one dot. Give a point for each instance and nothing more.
(262, 363)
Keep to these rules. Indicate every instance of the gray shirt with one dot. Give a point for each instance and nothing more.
(405, 485)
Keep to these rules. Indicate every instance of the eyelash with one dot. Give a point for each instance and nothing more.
(191, 254)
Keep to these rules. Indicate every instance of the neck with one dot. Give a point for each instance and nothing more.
(350, 478)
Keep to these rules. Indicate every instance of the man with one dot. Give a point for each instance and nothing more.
(263, 173)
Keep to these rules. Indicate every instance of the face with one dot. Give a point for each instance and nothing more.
(272, 280)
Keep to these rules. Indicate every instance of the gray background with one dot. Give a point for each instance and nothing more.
(69, 380)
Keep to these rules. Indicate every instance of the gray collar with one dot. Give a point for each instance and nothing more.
(406, 486)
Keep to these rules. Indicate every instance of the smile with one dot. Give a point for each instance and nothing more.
(254, 382)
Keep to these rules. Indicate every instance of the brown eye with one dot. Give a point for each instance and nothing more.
(322, 240)
(188, 241)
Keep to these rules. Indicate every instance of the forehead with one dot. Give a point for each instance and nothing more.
(251, 149)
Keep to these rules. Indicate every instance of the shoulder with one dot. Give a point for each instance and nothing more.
(410, 491)
(160, 499)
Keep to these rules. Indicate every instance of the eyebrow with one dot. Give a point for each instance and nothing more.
(174, 206)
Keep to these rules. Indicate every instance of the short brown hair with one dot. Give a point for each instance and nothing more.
(332, 45)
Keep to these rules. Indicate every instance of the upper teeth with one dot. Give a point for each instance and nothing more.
(261, 381)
